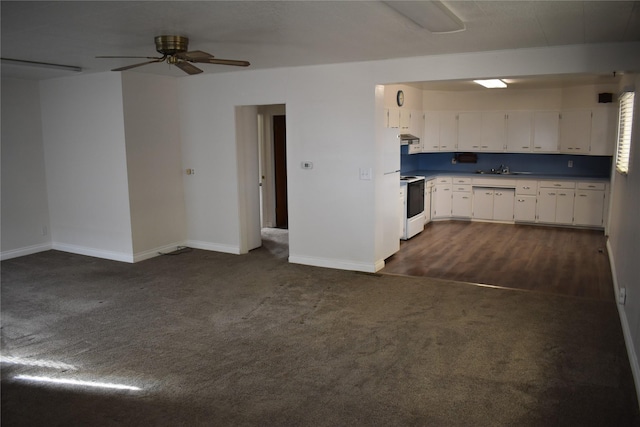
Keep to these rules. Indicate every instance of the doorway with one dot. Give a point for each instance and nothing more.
(280, 170)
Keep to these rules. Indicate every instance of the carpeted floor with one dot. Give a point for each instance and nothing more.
(218, 339)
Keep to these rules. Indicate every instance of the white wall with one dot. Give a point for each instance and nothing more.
(25, 212)
(154, 163)
(86, 170)
(331, 114)
(624, 240)
(516, 99)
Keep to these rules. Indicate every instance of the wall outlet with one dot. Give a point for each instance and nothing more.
(191, 171)
(306, 165)
(622, 296)
(453, 161)
(570, 163)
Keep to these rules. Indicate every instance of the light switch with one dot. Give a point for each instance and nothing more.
(306, 165)
(366, 174)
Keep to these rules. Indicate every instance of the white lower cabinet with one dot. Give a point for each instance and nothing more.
(524, 209)
(482, 203)
(441, 201)
(503, 204)
(461, 204)
(493, 203)
(589, 204)
(428, 192)
(555, 202)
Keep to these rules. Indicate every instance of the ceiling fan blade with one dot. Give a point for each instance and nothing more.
(139, 57)
(128, 67)
(188, 67)
(195, 56)
(228, 62)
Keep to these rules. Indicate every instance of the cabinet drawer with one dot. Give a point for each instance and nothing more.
(466, 188)
(591, 185)
(443, 180)
(527, 187)
(557, 184)
(430, 183)
(458, 180)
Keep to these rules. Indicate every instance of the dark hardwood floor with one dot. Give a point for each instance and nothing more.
(546, 259)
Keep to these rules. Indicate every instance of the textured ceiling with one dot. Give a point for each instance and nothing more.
(290, 33)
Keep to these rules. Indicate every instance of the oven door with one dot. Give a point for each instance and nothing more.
(415, 198)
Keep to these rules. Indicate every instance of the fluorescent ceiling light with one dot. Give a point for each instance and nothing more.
(492, 83)
(430, 15)
(77, 382)
(35, 362)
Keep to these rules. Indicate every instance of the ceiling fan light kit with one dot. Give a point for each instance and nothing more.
(174, 50)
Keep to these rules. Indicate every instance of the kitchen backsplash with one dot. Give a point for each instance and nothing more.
(544, 164)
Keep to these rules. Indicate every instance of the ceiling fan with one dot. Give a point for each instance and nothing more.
(174, 51)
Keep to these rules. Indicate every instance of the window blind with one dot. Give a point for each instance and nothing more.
(625, 120)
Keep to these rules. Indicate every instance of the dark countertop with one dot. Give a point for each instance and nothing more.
(429, 174)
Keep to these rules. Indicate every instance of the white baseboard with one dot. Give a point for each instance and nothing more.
(151, 253)
(626, 331)
(27, 250)
(207, 246)
(98, 253)
(333, 263)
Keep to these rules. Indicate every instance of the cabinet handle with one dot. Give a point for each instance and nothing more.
(520, 200)
(526, 187)
(526, 146)
(592, 186)
(582, 195)
(465, 197)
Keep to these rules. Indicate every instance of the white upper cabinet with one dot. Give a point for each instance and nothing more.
(393, 118)
(545, 131)
(416, 126)
(482, 131)
(405, 118)
(575, 131)
(603, 130)
(519, 131)
(469, 134)
(440, 131)
(494, 132)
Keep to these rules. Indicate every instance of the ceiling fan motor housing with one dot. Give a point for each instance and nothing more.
(170, 45)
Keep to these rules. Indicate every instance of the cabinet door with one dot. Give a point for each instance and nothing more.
(494, 132)
(461, 204)
(524, 208)
(417, 124)
(546, 209)
(393, 118)
(545, 131)
(405, 119)
(575, 131)
(588, 208)
(503, 204)
(603, 131)
(448, 131)
(431, 132)
(428, 189)
(564, 206)
(469, 131)
(519, 131)
(441, 201)
(483, 203)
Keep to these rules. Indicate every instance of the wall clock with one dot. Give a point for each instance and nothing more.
(400, 98)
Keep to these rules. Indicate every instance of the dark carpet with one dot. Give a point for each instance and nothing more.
(218, 339)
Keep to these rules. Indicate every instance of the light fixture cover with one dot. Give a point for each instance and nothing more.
(430, 15)
(492, 83)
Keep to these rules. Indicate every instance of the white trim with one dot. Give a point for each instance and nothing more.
(98, 253)
(626, 331)
(334, 263)
(216, 247)
(379, 265)
(27, 250)
(151, 253)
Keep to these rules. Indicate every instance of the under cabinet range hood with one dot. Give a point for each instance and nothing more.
(412, 141)
(406, 137)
